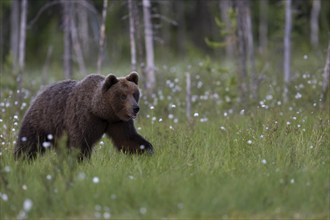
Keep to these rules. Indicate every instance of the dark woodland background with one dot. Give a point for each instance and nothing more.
(87, 35)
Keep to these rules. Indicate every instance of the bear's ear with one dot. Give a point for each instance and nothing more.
(133, 77)
(109, 81)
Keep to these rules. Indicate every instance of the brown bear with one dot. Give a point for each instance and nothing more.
(83, 110)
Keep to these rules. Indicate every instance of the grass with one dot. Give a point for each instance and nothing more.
(270, 162)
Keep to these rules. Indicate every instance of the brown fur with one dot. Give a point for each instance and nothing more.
(84, 110)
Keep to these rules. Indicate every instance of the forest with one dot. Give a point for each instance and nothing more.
(235, 99)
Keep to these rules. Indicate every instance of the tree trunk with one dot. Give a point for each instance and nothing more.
(22, 40)
(14, 33)
(67, 22)
(45, 68)
(102, 36)
(139, 38)
(242, 49)
(148, 36)
(83, 27)
(263, 25)
(287, 48)
(188, 96)
(225, 6)
(132, 34)
(315, 23)
(326, 76)
(181, 36)
(76, 44)
(250, 50)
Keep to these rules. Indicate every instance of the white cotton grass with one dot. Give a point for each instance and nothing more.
(96, 180)
(46, 144)
(27, 205)
(143, 210)
(50, 137)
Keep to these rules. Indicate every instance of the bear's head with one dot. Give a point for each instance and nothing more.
(121, 96)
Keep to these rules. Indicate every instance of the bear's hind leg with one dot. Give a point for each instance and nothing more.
(30, 143)
(26, 147)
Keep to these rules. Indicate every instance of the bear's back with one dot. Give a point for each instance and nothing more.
(46, 111)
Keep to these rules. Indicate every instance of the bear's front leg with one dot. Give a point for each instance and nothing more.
(125, 138)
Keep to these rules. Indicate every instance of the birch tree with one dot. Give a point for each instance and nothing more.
(67, 23)
(314, 23)
(102, 36)
(132, 34)
(83, 26)
(225, 6)
(326, 76)
(287, 48)
(148, 36)
(242, 73)
(76, 44)
(140, 57)
(263, 25)
(246, 51)
(14, 32)
(250, 49)
(22, 41)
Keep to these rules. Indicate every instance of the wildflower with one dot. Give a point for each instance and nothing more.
(269, 97)
(27, 205)
(203, 119)
(298, 96)
(50, 137)
(196, 114)
(249, 142)
(180, 205)
(263, 161)
(4, 197)
(96, 180)
(106, 215)
(7, 169)
(46, 144)
(143, 210)
(81, 175)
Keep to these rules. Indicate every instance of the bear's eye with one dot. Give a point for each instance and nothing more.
(123, 97)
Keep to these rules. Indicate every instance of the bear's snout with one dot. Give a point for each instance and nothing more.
(136, 109)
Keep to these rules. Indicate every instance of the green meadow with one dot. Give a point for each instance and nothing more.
(268, 159)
